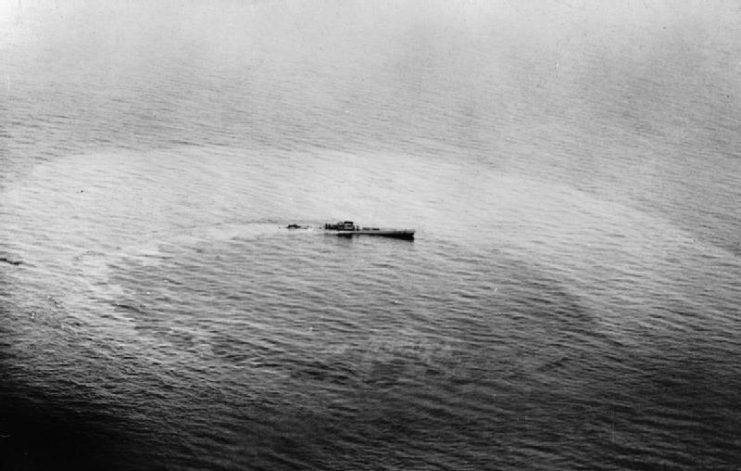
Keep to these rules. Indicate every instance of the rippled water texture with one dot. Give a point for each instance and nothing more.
(571, 300)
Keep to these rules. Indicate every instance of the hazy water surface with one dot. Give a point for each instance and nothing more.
(571, 300)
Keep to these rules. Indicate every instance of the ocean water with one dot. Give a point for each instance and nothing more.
(571, 299)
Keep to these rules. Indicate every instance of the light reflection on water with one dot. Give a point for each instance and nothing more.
(572, 289)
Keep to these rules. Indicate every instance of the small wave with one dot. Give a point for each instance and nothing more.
(129, 307)
(10, 261)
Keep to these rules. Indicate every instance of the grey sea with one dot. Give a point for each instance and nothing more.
(571, 300)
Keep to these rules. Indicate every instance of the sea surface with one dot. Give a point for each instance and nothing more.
(571, 300)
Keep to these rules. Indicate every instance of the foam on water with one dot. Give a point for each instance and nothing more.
(570, 300)
(513, 291)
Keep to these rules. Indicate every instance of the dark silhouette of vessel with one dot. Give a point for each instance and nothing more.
(349, 229)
